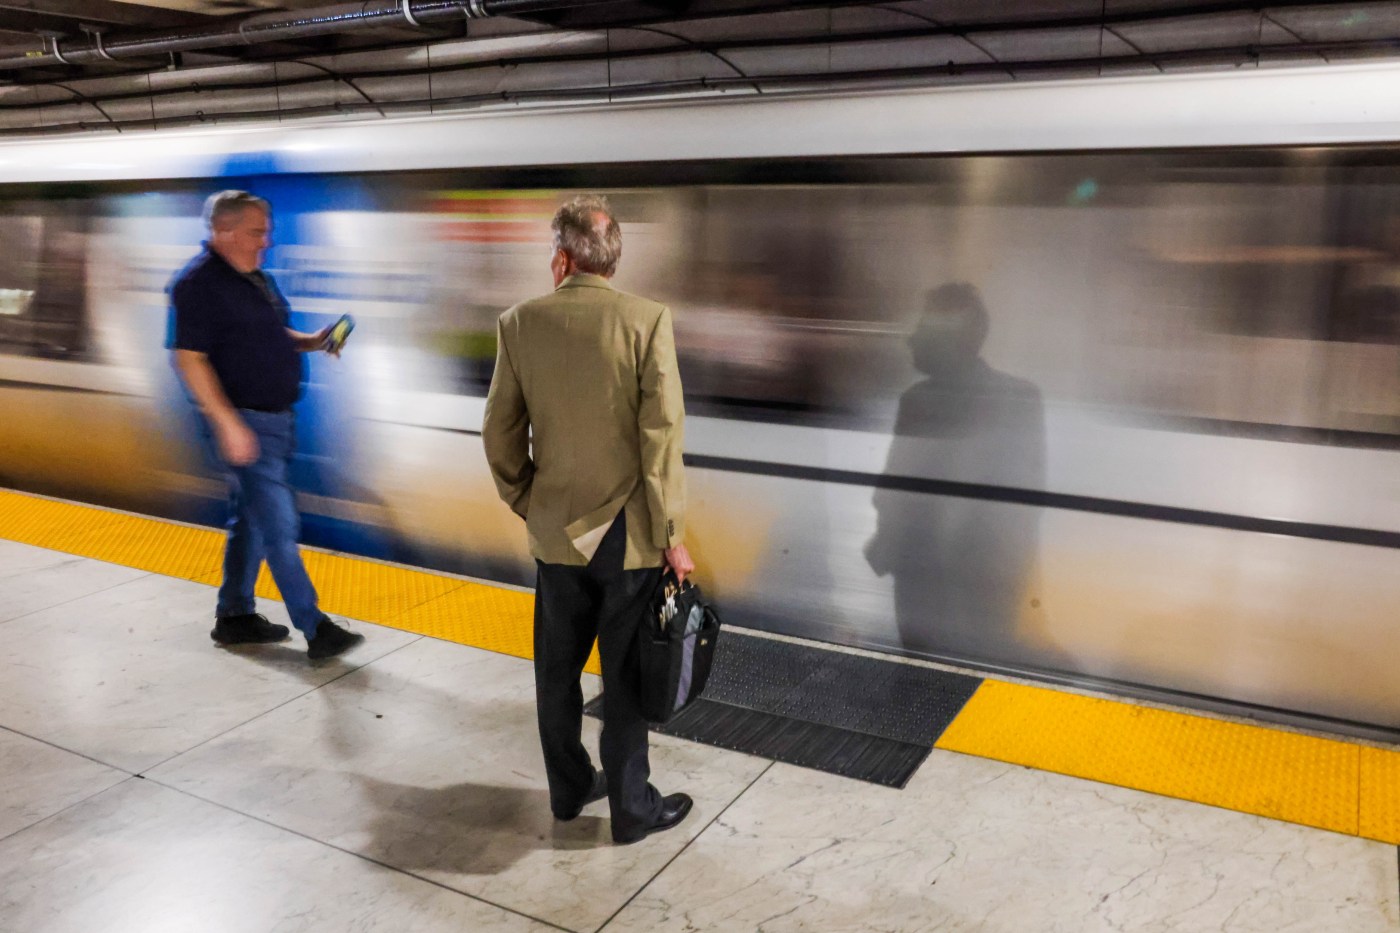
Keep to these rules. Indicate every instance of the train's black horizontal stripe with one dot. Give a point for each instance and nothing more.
(1344, 534)
(49, 387)
(1053, 500)
(1285, 433)
(432, 427)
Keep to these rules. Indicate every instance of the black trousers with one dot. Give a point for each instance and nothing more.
(573, 606)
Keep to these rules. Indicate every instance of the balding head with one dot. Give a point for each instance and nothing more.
(586, 231)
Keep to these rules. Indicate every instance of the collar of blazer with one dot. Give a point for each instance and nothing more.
(584, 280)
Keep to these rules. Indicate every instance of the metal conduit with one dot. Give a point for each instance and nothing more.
(880, 77)
(1223, 55)
(299, 24)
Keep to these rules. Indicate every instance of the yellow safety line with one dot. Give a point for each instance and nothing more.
(1325, 783)
(417, 601)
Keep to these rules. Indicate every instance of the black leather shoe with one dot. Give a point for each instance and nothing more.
(598, 791)
(250, 629)
(331, 640)
(674, 808)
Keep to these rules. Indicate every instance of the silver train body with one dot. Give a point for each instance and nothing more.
(1097, 381)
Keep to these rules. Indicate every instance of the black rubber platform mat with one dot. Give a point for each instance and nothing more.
(795, 742)
(865, 718)
(880, 697)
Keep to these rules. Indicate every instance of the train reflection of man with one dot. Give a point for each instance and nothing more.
(239, 359)
(962, 566)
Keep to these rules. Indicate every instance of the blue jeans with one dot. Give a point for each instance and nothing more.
(263, 524)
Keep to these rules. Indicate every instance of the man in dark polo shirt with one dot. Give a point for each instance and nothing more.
(242, 364)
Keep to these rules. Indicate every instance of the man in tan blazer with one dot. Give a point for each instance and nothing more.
(583, 433)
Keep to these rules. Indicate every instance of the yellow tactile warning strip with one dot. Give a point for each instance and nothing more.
(418, 601)
(1329, 784)
(1379, 816)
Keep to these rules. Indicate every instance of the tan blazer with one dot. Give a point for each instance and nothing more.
(588, 374)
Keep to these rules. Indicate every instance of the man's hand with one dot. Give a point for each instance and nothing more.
(678, 559)
(310, 343)
(320, 339)
(237, 442)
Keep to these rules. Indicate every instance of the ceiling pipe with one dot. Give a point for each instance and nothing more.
(916, 76)
(283, 26)
(1221, 55)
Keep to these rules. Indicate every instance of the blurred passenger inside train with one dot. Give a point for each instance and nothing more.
(241, 364)
(735, 350)
(963, 565)
(583, 433)
(43, 282)
(1367, 310)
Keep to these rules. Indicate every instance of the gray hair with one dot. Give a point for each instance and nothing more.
(587, 231)
(222, 208)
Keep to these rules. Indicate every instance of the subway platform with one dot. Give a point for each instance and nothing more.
(155, 782)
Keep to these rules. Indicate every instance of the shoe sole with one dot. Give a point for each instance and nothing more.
(249, 641)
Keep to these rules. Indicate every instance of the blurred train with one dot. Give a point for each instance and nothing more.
(1096, 381)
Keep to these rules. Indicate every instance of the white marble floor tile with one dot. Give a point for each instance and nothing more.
(428, 760)
(141, 858)
(977, 845)
(130, 677)
(17, 558)
(39, 780)
(33, 578)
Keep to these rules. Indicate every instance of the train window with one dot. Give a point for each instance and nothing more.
(1245, 287)
(43, 279)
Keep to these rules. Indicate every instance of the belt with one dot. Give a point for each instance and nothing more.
(267, 411)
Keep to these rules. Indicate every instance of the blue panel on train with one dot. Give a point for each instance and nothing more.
(322, 464)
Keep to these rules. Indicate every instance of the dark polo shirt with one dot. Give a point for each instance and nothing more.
(240, 322)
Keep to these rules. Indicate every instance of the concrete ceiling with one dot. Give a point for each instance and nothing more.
(86, 65)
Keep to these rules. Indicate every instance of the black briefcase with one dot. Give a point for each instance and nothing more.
(676, 645)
